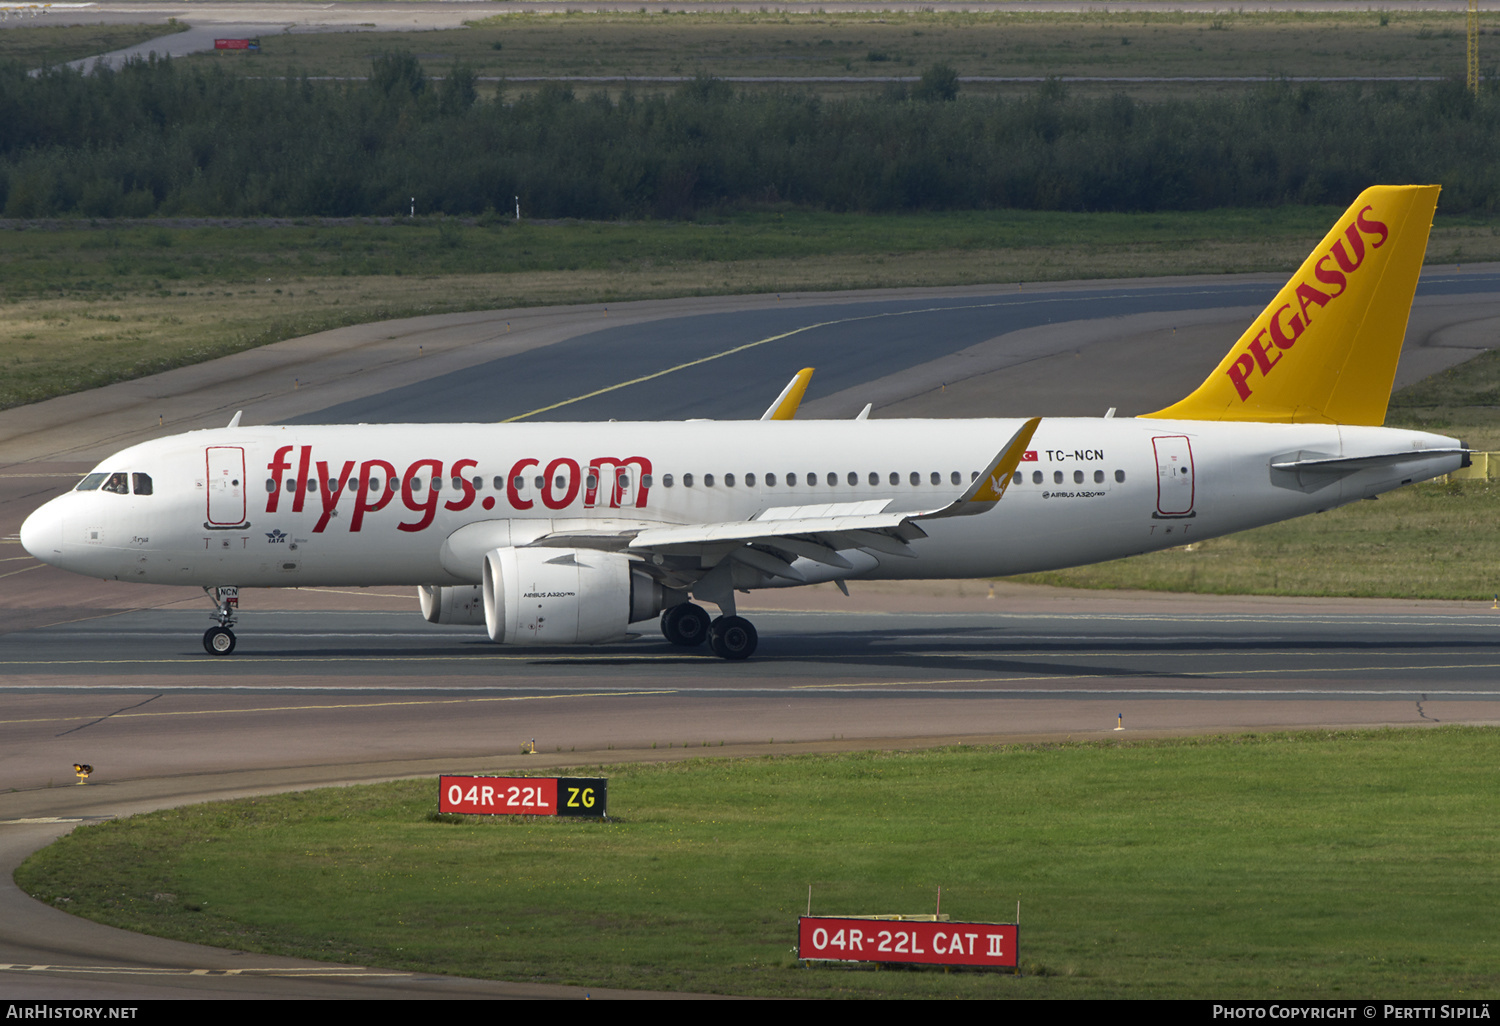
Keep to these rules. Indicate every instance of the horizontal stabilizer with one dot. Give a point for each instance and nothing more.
(1349, 464)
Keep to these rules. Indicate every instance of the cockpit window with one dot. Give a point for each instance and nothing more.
(90, 483)
(118, 484)
(142, 483)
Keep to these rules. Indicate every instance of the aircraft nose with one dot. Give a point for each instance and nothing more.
(42, 533)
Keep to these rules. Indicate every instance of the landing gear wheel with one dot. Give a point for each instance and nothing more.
(732, 637)
(218, 641)
(685, 625)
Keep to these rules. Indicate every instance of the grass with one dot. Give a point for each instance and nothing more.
(1427, 541)
(1309, 865)
(85, 306)
(44, 45)
(885, 43)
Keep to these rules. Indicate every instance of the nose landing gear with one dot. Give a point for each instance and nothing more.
(219, 640)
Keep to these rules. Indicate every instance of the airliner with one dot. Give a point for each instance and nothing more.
(560, 534)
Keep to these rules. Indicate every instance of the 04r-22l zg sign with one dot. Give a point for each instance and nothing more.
(524, 796)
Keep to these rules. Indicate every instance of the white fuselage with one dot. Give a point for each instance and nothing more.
(355, 505)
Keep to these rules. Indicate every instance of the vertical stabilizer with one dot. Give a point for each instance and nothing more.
(1325, 350)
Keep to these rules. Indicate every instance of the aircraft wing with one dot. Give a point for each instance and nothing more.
(815, 532)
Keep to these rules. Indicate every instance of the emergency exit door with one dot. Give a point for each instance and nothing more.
(226, 485)
(1174, 476)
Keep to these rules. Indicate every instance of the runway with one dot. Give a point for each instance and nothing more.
(331, 686)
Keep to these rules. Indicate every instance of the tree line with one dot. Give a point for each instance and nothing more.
(159, 137)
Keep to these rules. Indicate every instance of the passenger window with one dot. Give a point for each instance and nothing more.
(708, 480)
(1078, 477)
(118, 484)
(437, 484)
(895, 478)
(478, 484)
(353, 483)
(270, 485)
(916, 478)
(518, 482)
(853, 478)
(1016, 478)
(833, 478)
(956, 477)
(312, 485)
(90, 483)
(749, 480)
(1120, 476)
(770, 481)
(687, 480)
(1098, 477)
(666, 480)
(539, 481)
(1057, 477)
(500, 483)
(591, 482)
(1036, 477)
(559, 482)
(291, 486)
(728, 480)
(645, 480)
(812, 479)
(937, 478)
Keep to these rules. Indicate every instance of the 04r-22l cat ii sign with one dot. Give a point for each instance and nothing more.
(563, 534)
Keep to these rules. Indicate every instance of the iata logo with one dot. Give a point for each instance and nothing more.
(276, 537)
(371, 485)
(1289, 321)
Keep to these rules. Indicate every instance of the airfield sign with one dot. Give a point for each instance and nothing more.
(524, 796)
(849, 939)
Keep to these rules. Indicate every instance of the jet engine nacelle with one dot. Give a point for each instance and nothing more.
(567, 596)
(463, 604)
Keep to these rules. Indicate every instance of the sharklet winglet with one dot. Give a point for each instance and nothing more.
(785, 406)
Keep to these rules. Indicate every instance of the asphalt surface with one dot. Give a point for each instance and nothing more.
(335, 686)
(725, 365)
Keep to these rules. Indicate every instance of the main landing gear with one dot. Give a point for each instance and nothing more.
(219, 641)
(729, 637)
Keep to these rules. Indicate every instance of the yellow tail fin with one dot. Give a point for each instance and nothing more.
(1325, 350)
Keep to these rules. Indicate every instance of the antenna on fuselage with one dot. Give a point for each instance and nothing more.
(236, 421)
